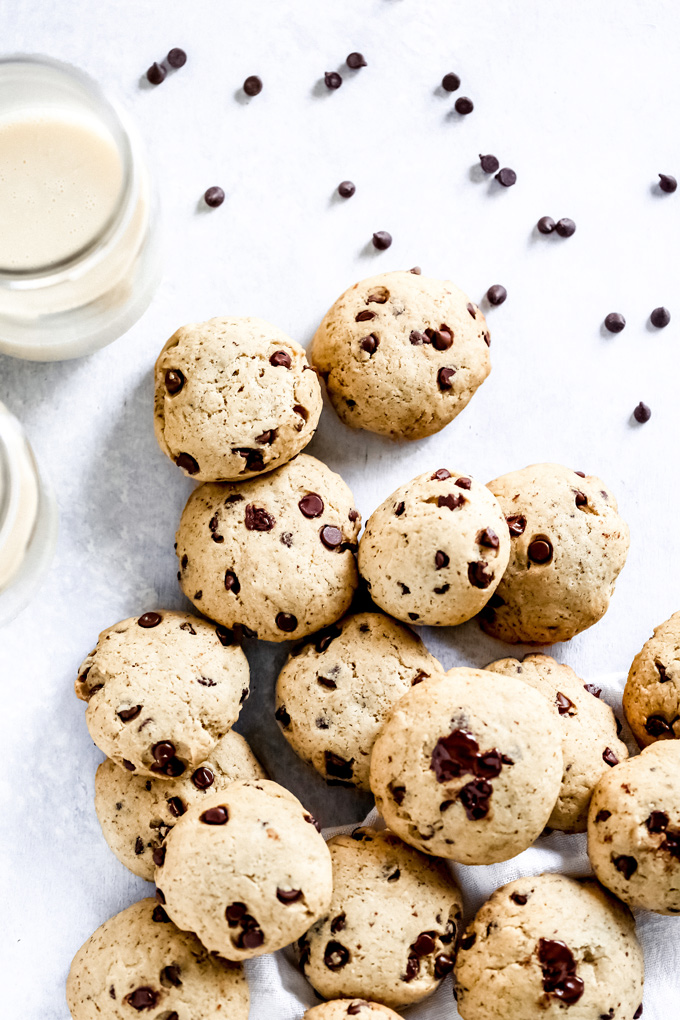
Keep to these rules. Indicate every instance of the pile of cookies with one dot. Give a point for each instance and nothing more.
(468, 765)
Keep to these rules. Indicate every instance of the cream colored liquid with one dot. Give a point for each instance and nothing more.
(60, 180)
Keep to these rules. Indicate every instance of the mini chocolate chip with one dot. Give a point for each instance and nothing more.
(417, 338)
(602, 816)
(142, 998)
(286, 622)
(412, 968)
(174, 381)
(282, 716)
(159, 916)
(312, 821)
(163, 751)
(565, 227)
(215, 816)
(394, 876)
(638, 1012)
(424, 944)
(370, 343)
(472, 309)
(657, 726)
(203, 777)
(337, 766)
(176, 57)
(355, 61)
(399, 509)
(546, 224)
(326, 681)
(129, 766)
(224, 635)
(171, 976)
(214, 197)
(311, 505)
(667, 183)
(479, 574)
(592, 689)
(443, 965)
(416, 270)
(398, 793)
(338, 923)
(288, 895)
(660, 317)
(405, 590)
(497, 294)
(475, 797)
(324, 637)
(160, 896)
(463, 105)
(187, 463)
(450, 82)
(506, 177)
(335, 955)
(488, 538)
(267, 437)
(463, 483)
(489, 164)
(331, 536)
(540, 549)
(252, 938)
(580, 498)
(332, 80)
(382, 240)
(440, 475)
(364, 316)
(156, 74)
(128, 714)
(252, 86)
(231, 582)
(661, 670)
(444, 377)
(626, 865)
(443, 590)
(518, 898)
(281, 359)
(441, 560)
(563, 703)
(642, 413)
(614, 322)
(159, 856)
(657, 821)
(413, 616)
(149, 620)
(176, 807)
(257, 518)
(450, 501)
(516, 524)
(346, 189)
(419, 677)
(253, 458)
(112, 992)
(441, 338)
(139, 846)
(609, 758)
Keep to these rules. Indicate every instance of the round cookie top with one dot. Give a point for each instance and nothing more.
(391, 928)
(402, 354)
(234, 397)
(435, 551)
(246, 869)
(590, 743)
(162, 689)
(550, 946)
(341, 1009)
(651, 699)
(468, 766)
(273, 557)
(568, 547)
(634, 829)
(139, 962)
(332, 697)
(136, 813)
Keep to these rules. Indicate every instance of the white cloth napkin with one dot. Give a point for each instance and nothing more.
(279, 991)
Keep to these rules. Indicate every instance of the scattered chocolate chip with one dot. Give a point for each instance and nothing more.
(614, 322)
(638, 1012)
(660, 317)
(497, 294)
(159, 856)
(176, 57)
(214, 197)
(559, 971)
(450, 82)
(139, 846)
(479, 574)
(518, 898)
(507, 178)
(252, 86)
(441, 560)
(546, 224)
(444, 377)
(129, 766)
(626, 865)
(642, 413)
(602, 816)
(667, 183)
(176, 807)
(563, 703)
(149, 620)
(451, 501)
(187, 463)
(286, 622)
(257, 518)
(443, 965)
(332, 80)
(609, 758)
(174, 381)
(565, 227)
(156, 74)
(370, 343)
(203, 777)
(592, 689)
(145, 997)
(440, 475)
(231, 582)
(215, 816)
(346, 189)
(171, 976)
(489, 165)
(488, 538)
(382, 240)
(128, 714)
(463, 105)
(657, 821)
(540, 550)
(657, 726)
(516, 524)
(331, 536)
(335, 955)
(355, 61)
(288, 895)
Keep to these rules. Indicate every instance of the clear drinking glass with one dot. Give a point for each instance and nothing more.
(28, 520)
(84, 299)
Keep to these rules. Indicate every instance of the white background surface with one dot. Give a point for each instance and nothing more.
(581, 99)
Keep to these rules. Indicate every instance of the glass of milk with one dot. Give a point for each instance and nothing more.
(79, 245)
(28, 520)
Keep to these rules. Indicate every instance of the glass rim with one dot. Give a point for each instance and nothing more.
(121, 133)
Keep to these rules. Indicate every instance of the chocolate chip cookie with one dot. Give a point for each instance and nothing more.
(340, 1009)
(402, 354)
(273, 557)
(434, 552)
(161, 689)
(468, 766)
(651, 699)
(138, 962)
(550, 946)
(568, 545)
(332, 696)
(136, 813)
(634, 829)
(234, 397)
(391, 928)
(246, 869)
(590, 744)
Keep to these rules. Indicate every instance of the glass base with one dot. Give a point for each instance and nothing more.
(21, 590)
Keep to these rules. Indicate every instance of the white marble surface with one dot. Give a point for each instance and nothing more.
(581, 99)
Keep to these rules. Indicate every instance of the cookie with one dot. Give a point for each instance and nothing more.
(468, 766)
(234, 397)
(391, 928)
(651, 699)
(139, 962)
(332, 696)
(340, 1009)
(634, 829)
(550, 946)
(137, 813)
(434, 552)
(590, 743)
(402, 354)
(246, 869)
(274, 557)
(568, 545)
(161, 690)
